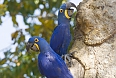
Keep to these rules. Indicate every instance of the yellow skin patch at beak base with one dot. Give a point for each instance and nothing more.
(36, 46)
(66, 14)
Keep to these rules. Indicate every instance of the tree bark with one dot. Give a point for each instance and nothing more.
(95, 40)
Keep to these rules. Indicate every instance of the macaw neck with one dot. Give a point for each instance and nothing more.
(45, 48)
(63, 20)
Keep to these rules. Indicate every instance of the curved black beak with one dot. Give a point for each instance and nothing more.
(28, 46)
(70, 4)
(69, 10)
(32, 46)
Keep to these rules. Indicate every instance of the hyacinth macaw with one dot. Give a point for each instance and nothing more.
(61, 36)
(50, 63)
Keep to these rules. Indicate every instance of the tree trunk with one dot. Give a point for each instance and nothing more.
(95, 40)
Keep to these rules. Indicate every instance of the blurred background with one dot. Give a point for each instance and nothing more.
(19, 20)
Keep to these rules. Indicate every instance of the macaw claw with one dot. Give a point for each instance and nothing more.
(67, 58)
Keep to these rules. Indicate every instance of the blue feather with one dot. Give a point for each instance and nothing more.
(50, 63)
(61, 36)
(60, 39)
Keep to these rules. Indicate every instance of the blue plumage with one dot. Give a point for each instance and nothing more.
(60, 39)
(61, 36)
(50, 63)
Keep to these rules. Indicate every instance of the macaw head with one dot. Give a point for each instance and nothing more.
(65, 10)
(37, 43)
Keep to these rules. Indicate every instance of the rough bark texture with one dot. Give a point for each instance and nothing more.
(95, 40)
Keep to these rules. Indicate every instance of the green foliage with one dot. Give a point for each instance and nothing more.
(19, 63)
(2, 10)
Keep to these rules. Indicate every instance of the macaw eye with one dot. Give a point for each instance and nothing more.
(36, 40)
(61, 10)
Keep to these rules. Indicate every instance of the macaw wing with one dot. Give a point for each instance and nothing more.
(57, 38)
(53, 66)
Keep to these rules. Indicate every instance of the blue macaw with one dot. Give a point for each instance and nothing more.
(61, 36)
(50, 63)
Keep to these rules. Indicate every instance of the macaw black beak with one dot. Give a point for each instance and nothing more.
(69, 11)
(28, 46)
(70, 4)
(32, 46)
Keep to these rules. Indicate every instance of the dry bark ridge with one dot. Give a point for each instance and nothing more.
(95, 40)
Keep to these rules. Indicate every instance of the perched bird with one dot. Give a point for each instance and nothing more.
(61, 36)
(50, 63)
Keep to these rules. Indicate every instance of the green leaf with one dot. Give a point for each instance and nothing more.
(18, 61)
(2, 9)
(14, 21)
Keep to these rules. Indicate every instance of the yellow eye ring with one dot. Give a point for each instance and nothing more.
(36, 40)
(61, 10)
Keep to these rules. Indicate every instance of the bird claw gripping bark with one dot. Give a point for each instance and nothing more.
(68, 58)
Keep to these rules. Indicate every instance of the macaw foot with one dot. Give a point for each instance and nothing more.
(67, 58)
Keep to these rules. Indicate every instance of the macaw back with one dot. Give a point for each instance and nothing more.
(61, 38)
(52, 66)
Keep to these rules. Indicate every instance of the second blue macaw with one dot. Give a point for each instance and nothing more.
(50, 63)
(61, 36)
